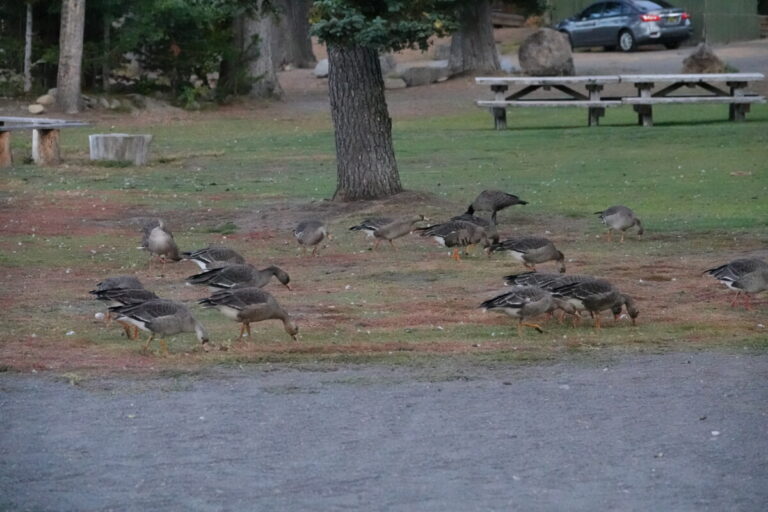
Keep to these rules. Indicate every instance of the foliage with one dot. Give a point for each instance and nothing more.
(385, 25)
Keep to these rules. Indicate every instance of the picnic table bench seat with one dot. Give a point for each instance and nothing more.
(45, 138)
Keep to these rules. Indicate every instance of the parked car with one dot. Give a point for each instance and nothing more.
(627, 24)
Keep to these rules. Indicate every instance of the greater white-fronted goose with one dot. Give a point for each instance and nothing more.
(371, 224)
(530, 251)
(524, 302)
(493, 201)
(240, 276)
(247, 305)
(620, 218)
(124, 297)
(596, 295)
(116, 282)
(456, 234)
(214, 256)
(487, 225)
(158, 241)
(740, 274)
(309, 233)
(544, 280)
(162, 318)
(395, 229)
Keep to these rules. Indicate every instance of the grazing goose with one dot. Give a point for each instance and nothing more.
(309, 233)
(368, 226)
(455, 234)
(525, 302)
(620, 218)
(240, 276)
(158, 240)
(493, 201)
(116, 282)
(596, 295)
(488, 226)
(544, 280)
(530, 250)
(246, 305)
(214, 256)
(125, 297)
(161, 318)
(736, 271)
(395, 229)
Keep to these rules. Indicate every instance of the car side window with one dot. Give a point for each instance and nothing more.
(612, 9)
(592, 12)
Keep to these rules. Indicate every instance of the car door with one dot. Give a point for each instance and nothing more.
(614, 17)
(583, 27)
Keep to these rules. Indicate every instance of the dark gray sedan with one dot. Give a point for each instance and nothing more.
(626, 24)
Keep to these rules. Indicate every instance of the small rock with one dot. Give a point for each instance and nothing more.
(115, 104)
(36, 109)
(46, 99)
(103, 102)
(321, 69)
(394, 83)
(715, 433)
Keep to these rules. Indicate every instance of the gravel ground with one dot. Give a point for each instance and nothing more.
(662, 432)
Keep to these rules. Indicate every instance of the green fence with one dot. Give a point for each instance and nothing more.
(720, 21)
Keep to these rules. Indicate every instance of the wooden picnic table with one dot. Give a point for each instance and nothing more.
(524, 86)
(648, 94)
(45, 138)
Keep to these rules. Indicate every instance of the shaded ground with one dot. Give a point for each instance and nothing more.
(683, 432)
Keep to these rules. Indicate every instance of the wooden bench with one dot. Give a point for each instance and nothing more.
(737, 97)
(526, 85)
(45, 138)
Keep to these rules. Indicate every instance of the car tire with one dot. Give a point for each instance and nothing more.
(672, 46)
(627, 42)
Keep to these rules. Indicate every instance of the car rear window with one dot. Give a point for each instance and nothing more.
(647, 5)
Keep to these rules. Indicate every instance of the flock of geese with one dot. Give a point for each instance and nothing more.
(238, 286)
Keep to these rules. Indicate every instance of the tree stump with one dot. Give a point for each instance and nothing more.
(120, 146)
(45, 147)
(6, 159)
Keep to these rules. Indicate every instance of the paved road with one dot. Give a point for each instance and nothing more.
(673, 432)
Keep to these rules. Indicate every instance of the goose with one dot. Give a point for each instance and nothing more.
(734, 271)
(117, 282)
(544, 280)
(455, 234)
(369, 225)
(530, 250)
(493, 201)
(240, 276)
(310, 233)
(596, 295)
(620, 218)
(751, 283)
(162, 318)
(125, 297)
(525, 302)
(487, 225)
(246, 305)
(395, 229)
(158, 240)
(214, 256)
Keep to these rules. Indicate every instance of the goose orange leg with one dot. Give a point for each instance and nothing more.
(455, 256)
(393, 245)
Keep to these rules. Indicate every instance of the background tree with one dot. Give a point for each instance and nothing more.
(355, 31)
(293, 45)
(70, 56)
(473, 48)
(259, 30)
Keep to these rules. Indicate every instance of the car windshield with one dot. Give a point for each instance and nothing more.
(647, 5)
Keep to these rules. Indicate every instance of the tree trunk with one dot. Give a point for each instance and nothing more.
(70, 56)
(293, 46)
(473, 49)
(263, 25)
(28, 51)
(366, 166)
(105, 63)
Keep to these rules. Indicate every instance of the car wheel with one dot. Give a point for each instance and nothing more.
(672, 46)
(627, 41)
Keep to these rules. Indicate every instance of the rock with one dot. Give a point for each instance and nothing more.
(703, 60)
(388, 63)
(546, 52)
(321, 70)
(424, 73)
(36, 109)
(442, 51)
(52, 92)
(103, 102)
(508, 66)
(115, 104)
(394, 83)
(46, 99)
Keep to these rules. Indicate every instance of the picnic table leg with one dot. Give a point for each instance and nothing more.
(737, 111)
(45, 147)
(499, 118)
(6, 158)
(644, 112)
(595, 113)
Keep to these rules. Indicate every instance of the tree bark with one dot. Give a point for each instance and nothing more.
(473, 49)
(106, 68)
(293, 46)
(70, 56)
(28, 51)
(366, 166)
(260, 65)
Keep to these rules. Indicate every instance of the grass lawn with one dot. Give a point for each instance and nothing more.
(699, 184)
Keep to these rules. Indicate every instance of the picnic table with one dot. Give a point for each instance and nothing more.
(45, 138)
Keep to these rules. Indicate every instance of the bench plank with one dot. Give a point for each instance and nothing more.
(691, 78)
(692, 99)
(38, 126)
(547, 80)
(548, 103)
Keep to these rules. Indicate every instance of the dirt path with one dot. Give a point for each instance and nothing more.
(663, 432)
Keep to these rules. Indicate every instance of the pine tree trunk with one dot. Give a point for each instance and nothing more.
(293, 46)
(106, 68)
(473, 49)
(70, 56)
(366, 166)
(28, 51)
(260, 66)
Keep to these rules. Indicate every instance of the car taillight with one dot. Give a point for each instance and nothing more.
(650, 17)
(685, 15)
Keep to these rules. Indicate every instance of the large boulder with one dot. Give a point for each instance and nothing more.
(546, 52)
(46, 99)
(703, 60)
(424, 72)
